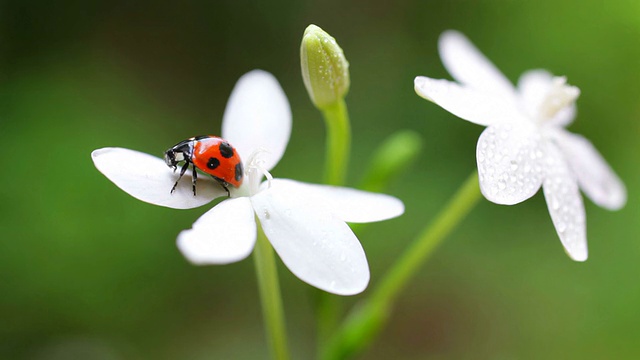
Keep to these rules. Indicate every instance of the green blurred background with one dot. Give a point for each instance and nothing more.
(88, 272)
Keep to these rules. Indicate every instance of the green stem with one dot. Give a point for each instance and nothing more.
(267, 274)
(336, 119)
(366, 320)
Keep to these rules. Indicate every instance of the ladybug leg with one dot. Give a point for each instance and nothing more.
(194, 178)
(223, 184)
(182, 171)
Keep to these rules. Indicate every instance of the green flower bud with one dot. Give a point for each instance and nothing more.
(325, 70)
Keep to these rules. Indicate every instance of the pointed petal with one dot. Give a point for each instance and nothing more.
(315, 245)
(476, 106)
(347, 204)
(509, 163)
(565, 204)
(533, 87)
(148, 178)
(595, 176)
(258, 117)
(471, 68)
(224, 234)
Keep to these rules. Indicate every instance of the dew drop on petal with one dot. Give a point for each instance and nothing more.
(514, 165)
(562, 226)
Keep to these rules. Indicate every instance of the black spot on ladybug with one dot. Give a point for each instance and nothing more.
(213, 163)
(226, 150)
(239, 171)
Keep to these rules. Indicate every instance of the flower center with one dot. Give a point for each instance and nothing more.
(255, 170)
(559, 96)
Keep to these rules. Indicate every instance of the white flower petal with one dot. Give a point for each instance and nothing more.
(258, 116)
(315, 245)
(347, 204)
(565, 204)
(509, 166)
(471, 68)
(470, 104)
(149, 179)
(224, 234)
(595, 176)
(533, 87)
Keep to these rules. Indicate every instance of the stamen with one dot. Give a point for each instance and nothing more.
(255, 165)
(559, 96)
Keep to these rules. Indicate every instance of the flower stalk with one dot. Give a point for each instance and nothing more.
(366, 320)
(338, 142)
(269, 287)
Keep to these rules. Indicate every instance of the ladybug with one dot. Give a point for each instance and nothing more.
(212, 155)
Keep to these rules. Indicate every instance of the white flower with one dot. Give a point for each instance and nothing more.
(305, 223)
(525, 145)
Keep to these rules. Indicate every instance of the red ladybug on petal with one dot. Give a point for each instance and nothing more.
(212, 155)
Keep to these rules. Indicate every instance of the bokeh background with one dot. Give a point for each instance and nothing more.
(87, 272)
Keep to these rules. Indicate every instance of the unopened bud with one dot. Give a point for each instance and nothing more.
(325, 70)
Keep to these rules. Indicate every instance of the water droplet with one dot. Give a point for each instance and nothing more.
(514, 165)
(562, 226)
(266, 213)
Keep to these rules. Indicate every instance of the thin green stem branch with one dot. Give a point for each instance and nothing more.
(338, 150)
(366, 320)
(269, 287)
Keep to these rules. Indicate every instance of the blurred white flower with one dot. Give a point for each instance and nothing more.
(525, 145)
(305, 223)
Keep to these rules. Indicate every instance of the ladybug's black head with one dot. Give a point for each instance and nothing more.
(170, 158)
(180, 152)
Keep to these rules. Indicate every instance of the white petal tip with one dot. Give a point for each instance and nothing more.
(419, 81)
(448, 36)
(420, 84)
(345, 286)
(499, 198)
(257, 75)
(198, 253)
(223, 235)
(579, 256)
(616, 199)
(352, 289)
(98, 152)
